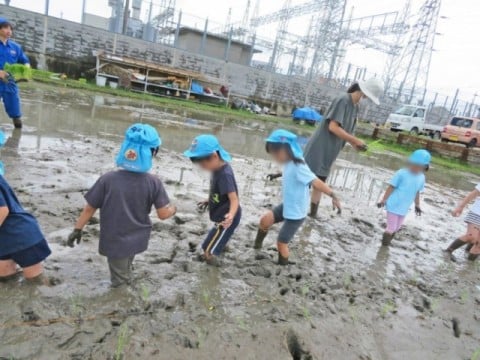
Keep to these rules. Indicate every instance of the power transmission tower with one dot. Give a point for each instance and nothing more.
(414, 63)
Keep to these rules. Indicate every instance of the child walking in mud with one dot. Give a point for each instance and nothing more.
(125, 198)
(21, 240)
(297, 179)
(404, 190)
(472, 236)
(223, 202)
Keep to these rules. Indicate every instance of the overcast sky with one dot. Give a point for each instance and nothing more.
(454, 65)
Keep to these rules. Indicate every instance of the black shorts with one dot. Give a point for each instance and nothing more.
(31, 256)
(323, 178)
(289, 227)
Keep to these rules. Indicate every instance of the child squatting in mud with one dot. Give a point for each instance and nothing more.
(297, 178)
(223, 203)
(404, 189)
(22, 242)
(125, 198)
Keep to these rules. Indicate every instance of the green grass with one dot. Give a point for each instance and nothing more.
(380, 146)
(121, 342)
(476, 355)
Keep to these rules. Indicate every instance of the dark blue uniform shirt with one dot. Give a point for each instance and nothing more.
(20, 230)
(11, 53)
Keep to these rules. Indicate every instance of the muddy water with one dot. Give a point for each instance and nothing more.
(346, 298)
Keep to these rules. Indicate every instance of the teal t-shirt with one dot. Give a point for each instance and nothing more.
(407, 185)
(296, 190)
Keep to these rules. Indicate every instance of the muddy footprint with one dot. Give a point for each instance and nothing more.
(295, 348)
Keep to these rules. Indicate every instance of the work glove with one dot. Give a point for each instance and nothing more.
(202, 206)
(381, 204)
(418, 211)
(76, 235)
(271, 177)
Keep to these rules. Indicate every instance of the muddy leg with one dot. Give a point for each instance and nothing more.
(8, 270)
(283, 253)
(120, 271)
(266, 223)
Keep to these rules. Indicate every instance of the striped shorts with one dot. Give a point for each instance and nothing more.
(473, 218)
(218, 236)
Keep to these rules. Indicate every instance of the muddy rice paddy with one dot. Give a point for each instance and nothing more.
(346, 298)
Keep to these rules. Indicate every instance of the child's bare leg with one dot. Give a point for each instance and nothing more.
(266, 223)
(7, 268)
(469, 237)
(32, 272)
(283, 249)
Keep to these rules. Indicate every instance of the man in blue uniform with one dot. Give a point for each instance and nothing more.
(10, 53)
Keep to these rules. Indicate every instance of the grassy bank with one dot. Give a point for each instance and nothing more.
(382, 146)
(167, 102)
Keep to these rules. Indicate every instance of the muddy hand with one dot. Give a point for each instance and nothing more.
(418, 211)
(76, 235)
(202, 206)
(271, 177)
(362, 147)
(381, 204)
(457, 212)
(337, 205)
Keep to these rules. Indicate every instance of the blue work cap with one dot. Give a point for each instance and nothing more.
(281, 136)
(206, 145)
(4, 21)
(420, 157)
(136, 151)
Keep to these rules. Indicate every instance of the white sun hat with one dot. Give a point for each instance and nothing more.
(372, 88)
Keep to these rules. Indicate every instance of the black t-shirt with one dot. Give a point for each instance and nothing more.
(221, 184)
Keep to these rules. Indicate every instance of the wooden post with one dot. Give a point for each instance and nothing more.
(429, 145)
(400, 138)
(375, 134)
(465, 154)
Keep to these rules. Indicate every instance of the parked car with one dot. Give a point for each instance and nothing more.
(411, 118)
(463, 130)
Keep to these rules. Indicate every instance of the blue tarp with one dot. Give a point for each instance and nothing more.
(307, 113)
(197, 88)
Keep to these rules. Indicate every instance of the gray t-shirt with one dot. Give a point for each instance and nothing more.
(323, 148)
(125, 200)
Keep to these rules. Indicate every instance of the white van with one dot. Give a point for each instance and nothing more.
(411, 118)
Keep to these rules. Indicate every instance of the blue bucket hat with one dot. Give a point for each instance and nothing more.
(2, 142)
(281, 136)
(136, 152)
(420, 157)
(206, 145)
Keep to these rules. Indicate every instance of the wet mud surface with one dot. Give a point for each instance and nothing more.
(345, 298)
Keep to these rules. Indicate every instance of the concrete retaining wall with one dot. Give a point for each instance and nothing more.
(65, 46)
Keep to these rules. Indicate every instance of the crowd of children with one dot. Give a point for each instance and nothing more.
(126, 196)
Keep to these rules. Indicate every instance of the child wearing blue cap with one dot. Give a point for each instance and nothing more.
(404, 190)
(21, 240)
(125, 198)
(223, 201)
(297, 179)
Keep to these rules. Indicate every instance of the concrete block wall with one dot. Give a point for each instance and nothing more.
(54, 41)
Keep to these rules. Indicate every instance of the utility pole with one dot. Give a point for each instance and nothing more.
(84, 5)
(47, 6)
(126, 16)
